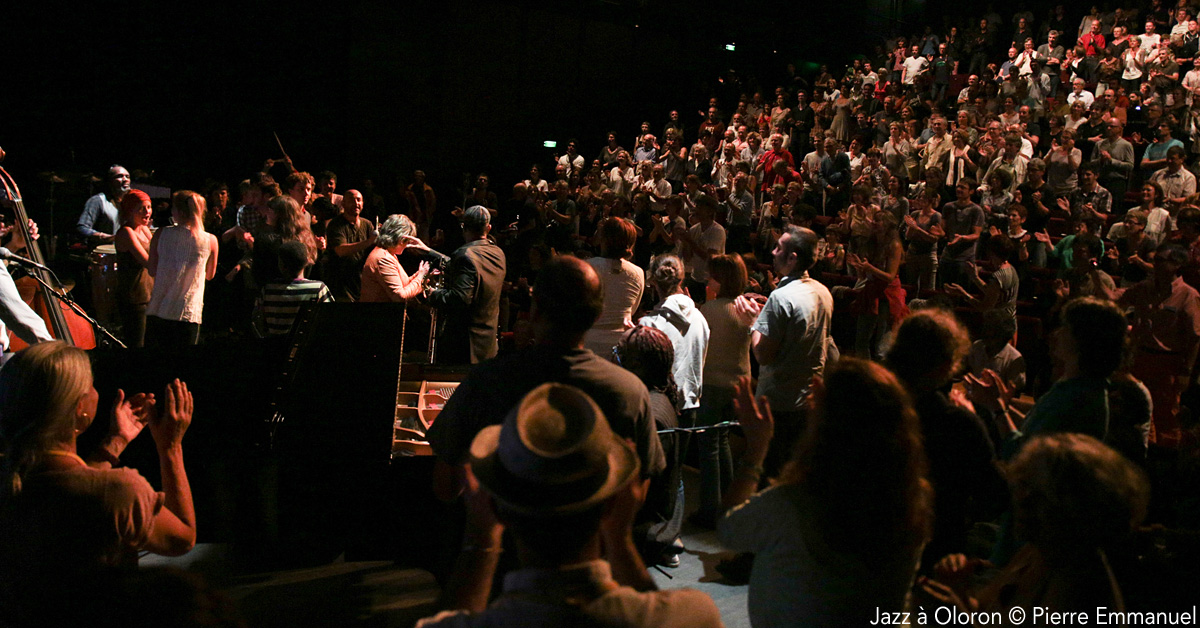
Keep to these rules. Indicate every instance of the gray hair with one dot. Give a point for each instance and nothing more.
(393, 230)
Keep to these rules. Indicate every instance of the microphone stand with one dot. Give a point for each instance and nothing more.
(78, 310)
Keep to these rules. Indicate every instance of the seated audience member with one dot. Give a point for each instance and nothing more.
(383, 278)
(566, 302)
(676, 315)
(282, 300)
(1077, 503)
(838, 536)
(647, 353)
(61, 513)
(556, 465)
(622, 282)
(928, 351)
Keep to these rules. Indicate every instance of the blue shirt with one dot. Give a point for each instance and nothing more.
(1158, 150)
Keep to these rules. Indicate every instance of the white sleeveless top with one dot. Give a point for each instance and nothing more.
(179, 281)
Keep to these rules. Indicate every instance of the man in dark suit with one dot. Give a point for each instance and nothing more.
(469, 300)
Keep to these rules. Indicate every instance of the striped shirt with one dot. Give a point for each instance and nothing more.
(282, 301)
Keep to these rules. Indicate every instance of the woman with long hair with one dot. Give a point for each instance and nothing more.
(383, 278)
(286, 220)
(880, 301)
(61, 513)
(183, 257)
(837, 536)
(621, 281)
(134, 283)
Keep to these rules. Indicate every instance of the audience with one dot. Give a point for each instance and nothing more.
(942, 169)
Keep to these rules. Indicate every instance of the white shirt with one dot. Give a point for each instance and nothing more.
(576, 163)
(913, 67)
(622, 283)
(1149, 41)
(621, 183)
(679, 318)
(1087, 97)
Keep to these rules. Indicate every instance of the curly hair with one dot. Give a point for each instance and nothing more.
(648, 353)
(291, 223)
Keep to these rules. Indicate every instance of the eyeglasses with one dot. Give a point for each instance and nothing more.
(616, 354)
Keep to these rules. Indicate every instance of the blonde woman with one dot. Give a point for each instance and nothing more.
(182, 257)
(62, 513)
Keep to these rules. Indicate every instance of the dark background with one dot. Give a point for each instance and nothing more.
(192, 92)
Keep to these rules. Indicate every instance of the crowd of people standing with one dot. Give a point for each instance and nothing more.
(849, 269)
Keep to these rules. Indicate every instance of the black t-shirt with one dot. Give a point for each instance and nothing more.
(344, 276)
(1035, 222)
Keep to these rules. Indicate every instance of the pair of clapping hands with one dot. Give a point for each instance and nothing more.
(168, 423)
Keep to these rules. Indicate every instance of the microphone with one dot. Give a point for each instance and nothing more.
(6, 254)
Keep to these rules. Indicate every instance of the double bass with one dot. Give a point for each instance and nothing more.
(63, 323)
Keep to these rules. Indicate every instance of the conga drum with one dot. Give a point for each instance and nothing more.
(103, 272)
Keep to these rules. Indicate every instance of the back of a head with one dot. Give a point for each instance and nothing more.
(863, 462)
(666, 274)
(803, 243)
(648, 353)
(568, 296)
(38, 388)
(617, 237)
(729, 271)
(1072, 494)
(475, 220)
(928, 347)
(188, 204)
(1098, 331)
(293, 258)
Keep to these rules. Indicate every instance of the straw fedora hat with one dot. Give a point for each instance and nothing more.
(554, 454)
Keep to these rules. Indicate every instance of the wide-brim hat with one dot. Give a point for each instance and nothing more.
(555, 453)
